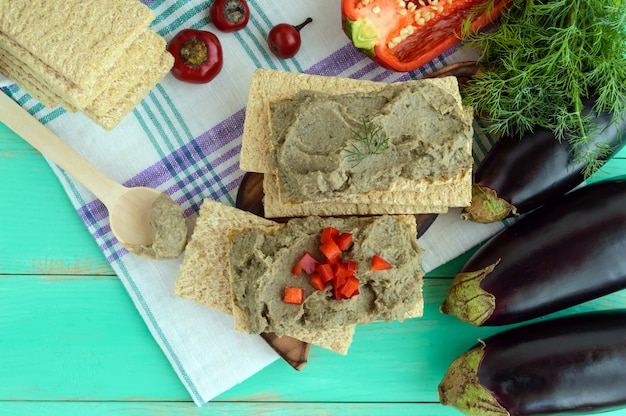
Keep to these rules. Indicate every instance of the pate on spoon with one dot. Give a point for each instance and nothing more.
(144, 220)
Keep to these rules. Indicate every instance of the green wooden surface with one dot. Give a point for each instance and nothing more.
(72, 343)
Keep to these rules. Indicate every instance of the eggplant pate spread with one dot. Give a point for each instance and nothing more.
(169, 231)
(326, 146)
(261, 262)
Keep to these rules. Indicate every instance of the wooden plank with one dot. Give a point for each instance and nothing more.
(225, 408)
(79, 338)
(53, 240)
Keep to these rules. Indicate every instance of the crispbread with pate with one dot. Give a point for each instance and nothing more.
(268, 86)
(81, 39)
(204, 277)
(405, 270)
(410, 196)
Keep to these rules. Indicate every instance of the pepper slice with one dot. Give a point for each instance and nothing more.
(403, 35)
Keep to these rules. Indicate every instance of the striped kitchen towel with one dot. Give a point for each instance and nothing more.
(184, 139)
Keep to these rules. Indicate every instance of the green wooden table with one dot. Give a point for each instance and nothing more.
(72, 343)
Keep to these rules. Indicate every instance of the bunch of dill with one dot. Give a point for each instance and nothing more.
(542, 60)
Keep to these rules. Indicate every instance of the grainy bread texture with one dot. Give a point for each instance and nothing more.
(204, 275)
(100, 58)
(273, 208)
(108, 120)
(95, 32)
(403, 197)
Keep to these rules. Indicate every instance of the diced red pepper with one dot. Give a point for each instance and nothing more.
(406, 35)
(350, 287)
(328, 234)
(293, 295)
(344, 241)
(341, 270)
(317, 281)
(296, 270)
(378, 263)
(331, 251)
(326, 271)
(352, 265)
(308, 263)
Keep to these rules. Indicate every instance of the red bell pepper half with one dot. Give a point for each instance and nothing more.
(403, 35)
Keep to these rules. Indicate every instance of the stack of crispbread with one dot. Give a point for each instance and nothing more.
(404, 197)
(97, 57)
(204, 275)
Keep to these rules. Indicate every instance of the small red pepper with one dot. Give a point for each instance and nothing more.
(229, 15)
(403, 35)
(197, 56)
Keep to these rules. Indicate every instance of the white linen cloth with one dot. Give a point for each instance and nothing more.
(184, 139)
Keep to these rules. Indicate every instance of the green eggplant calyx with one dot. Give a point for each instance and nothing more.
(461, 387)
(467, 300)
(486, 206)
(363, 34)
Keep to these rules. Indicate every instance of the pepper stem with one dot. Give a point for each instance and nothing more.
(194, 52)
(303, 24)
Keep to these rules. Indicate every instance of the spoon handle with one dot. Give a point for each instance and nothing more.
(57, 151)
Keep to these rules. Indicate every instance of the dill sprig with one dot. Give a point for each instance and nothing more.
(370, 141)
(542, 60)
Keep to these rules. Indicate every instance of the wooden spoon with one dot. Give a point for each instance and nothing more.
(129, 208)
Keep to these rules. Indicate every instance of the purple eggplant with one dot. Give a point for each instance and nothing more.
(570, 364)
(567, 252)
(519, 174)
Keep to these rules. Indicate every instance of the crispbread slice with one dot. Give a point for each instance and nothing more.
(268, 86)
(140, 65)
(134, 95)
(146, 50)
(109, 120)
(22, 77)
(242, 317)
(81, 39)
(274, 209)
(402, 197)
(204, 277)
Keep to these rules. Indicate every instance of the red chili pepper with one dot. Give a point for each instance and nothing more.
(403, 35)
(197, 56)
(229, 15)
(294, 295)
